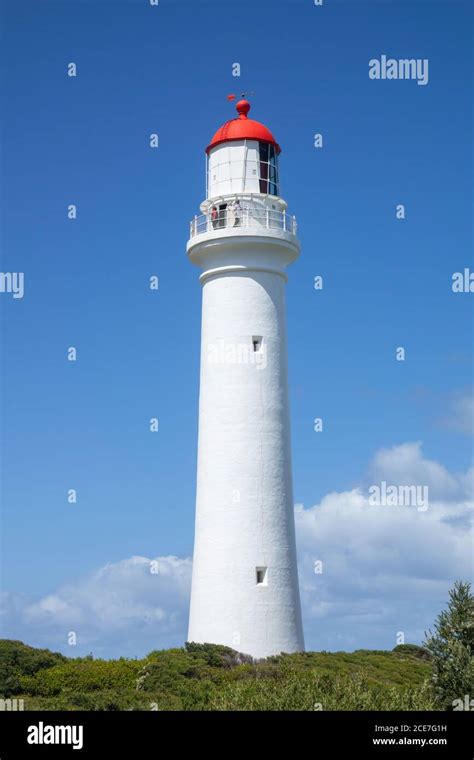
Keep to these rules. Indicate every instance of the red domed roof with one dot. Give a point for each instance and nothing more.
(242, 128)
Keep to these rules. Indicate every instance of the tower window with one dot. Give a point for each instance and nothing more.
(261, 574)
(222, 215)
(257, 342)
(268, 169)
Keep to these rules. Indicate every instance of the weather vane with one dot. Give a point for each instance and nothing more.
(242, 95)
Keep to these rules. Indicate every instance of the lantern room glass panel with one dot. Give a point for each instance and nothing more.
(268, 169)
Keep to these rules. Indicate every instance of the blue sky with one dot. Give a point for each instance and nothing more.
(387, 283)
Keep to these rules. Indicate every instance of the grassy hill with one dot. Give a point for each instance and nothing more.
(210, 677)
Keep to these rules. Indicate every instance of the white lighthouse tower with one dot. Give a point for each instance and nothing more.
(245, 583)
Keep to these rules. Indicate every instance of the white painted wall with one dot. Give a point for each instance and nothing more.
(233, 168)
(244, 506)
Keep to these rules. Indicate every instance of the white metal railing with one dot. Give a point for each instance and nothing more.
(245, 217)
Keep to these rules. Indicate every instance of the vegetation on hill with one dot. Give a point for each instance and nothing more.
(213, 677)
(210, 677)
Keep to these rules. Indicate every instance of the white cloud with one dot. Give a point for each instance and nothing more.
(405, 465)
(121, 608)
(385, 569)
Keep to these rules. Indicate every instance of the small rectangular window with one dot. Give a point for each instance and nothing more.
(261, 576)
(222, 217)
(257, 342)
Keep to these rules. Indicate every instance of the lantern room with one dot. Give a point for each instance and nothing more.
(242, 158)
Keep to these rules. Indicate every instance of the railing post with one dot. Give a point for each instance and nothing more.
(268, 218)
(284, 222)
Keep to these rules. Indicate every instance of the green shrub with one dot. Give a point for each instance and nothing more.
(412, 650)
(82, 675)
(309, 691)
(217, 655)
(452, 648)
(97, 701)
(18, 659)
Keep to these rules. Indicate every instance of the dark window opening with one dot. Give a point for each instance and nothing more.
(222, 216)
(257, 342)
(268, 169)
(261, 576)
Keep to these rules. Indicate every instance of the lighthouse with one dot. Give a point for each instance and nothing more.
(245, 590)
